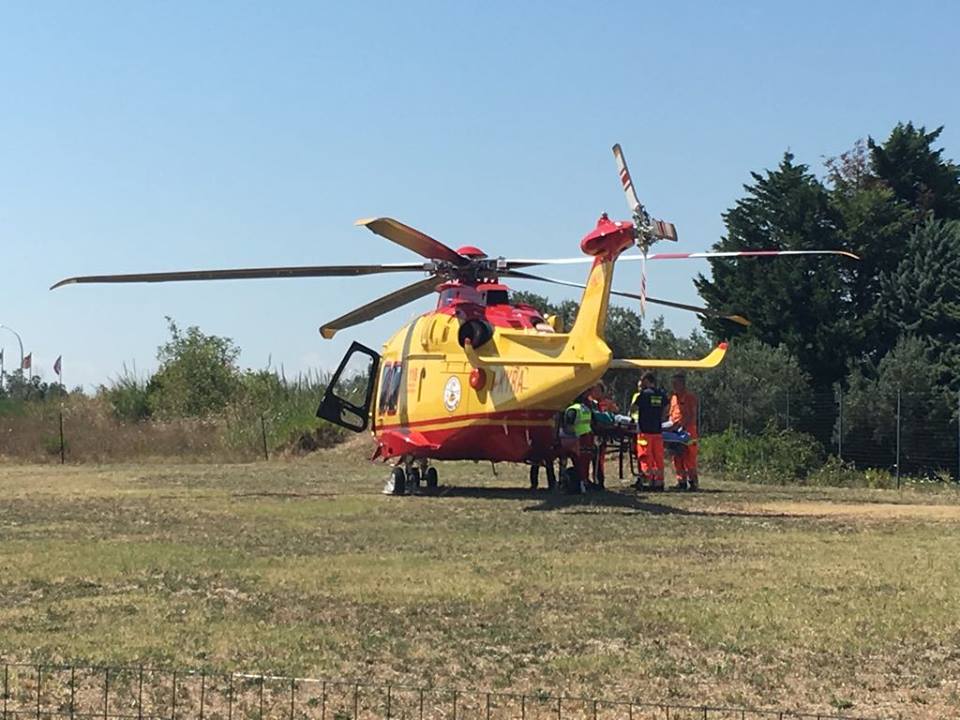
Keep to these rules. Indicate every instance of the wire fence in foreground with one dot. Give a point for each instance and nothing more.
(47, 692)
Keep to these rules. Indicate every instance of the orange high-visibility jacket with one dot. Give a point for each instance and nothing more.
(683, 411)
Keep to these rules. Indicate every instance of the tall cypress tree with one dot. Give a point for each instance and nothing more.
(921, 297)
(875, 225)
(800, 303)
(917, 174)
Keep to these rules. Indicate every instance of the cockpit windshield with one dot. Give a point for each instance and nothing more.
(462, 293)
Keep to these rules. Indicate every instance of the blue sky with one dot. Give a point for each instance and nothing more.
(160, 136)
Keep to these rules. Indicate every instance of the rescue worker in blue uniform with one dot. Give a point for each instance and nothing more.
(649, 409)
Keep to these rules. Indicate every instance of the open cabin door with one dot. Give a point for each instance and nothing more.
(347, 400)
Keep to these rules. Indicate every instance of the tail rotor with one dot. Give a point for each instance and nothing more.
(647, 230)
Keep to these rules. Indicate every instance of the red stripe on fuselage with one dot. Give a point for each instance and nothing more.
(505, 415)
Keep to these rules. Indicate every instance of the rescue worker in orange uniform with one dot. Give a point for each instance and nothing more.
(649, 409)
(683, 415)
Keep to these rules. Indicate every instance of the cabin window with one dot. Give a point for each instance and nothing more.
(390, 388)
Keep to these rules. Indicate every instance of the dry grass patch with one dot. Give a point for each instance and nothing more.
(789, 597)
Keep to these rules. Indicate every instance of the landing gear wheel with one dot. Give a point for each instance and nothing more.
(413, 479)
(534, 476)
(551, 477)
(430, 477)
(571, 481)
(399, 478)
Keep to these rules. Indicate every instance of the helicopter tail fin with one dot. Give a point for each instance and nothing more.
(590, 324)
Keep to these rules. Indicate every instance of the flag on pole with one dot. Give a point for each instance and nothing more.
(27, 362)
(56, 365)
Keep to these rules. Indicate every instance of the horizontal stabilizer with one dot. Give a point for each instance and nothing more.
(705, 363)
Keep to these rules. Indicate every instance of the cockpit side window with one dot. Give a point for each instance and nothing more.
(386, 382)
(497, 297)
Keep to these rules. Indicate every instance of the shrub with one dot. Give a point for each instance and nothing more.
(198, 375)
(127, 396)
(774, 456)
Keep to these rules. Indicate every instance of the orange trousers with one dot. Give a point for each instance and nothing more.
(685, 464)
(650, 457)
(584, 457)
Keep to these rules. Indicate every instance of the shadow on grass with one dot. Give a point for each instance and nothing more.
(630, 503)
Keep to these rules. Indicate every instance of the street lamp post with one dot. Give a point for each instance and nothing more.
(19, 342)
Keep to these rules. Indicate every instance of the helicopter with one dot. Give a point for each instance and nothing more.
(479, 378)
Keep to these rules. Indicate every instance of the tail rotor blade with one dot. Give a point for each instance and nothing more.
(643, 283)
(381, 305)
(633, 202)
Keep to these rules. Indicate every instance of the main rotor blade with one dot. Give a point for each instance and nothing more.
(739, 319)
(744, 253)
(530, 262)
(413, 239)
(382, 305)
(249, 273)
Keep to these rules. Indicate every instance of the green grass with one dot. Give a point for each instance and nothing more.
(762, 595)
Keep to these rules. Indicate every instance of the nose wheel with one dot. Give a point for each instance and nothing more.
(406, 479)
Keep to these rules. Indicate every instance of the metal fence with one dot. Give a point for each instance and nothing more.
(905, 432)
(46, 692)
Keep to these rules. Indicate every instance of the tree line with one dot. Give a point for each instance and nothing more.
(870, 330)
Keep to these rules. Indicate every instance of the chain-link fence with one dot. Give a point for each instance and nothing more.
(903, 432)
(49, 692)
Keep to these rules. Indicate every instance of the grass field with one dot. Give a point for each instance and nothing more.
(788, 597)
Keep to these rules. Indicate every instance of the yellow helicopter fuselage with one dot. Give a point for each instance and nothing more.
(486, 382)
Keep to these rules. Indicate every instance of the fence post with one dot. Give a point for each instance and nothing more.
(700, 416)
(230, 699)
(263, 434)
(840, 431)
(388, 701)
(106, 691)
(173, 698)
(260, 692)
(73, 691)
(63, 457)
(898, 438)
(140, 695)
(293, 694)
